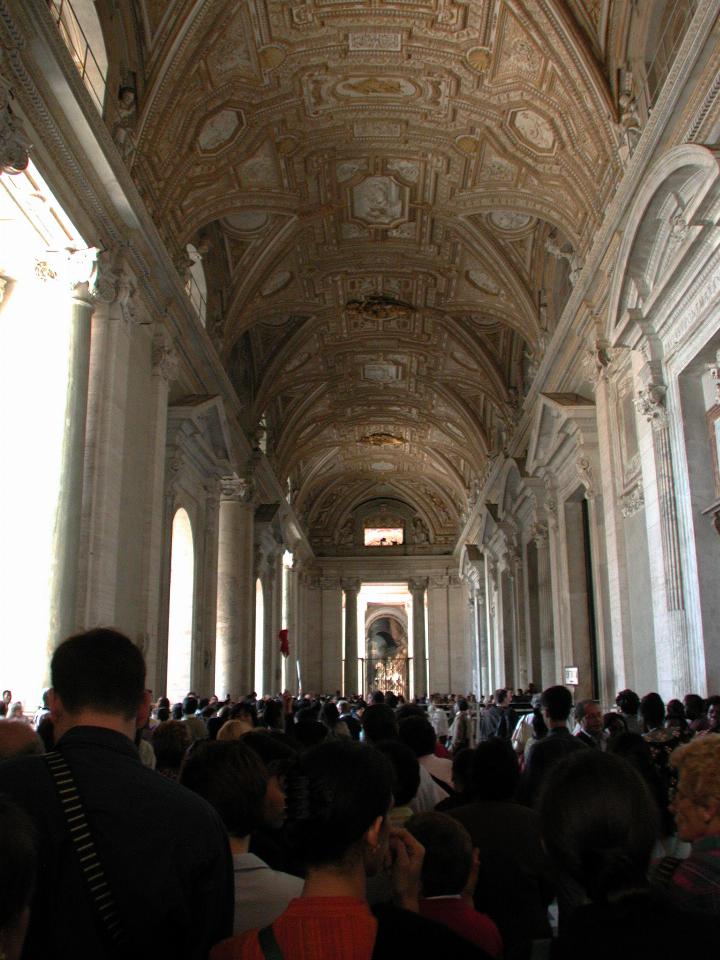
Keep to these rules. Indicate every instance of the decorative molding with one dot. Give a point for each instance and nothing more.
(650, 404)
(14, 141)
(165, 361)
(237, 489)
(714, 369)
(633, 501)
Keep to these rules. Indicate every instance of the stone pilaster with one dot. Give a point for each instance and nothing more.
(417, 589)
(160, 492)
(113, 323)
(71, 270)
(666, 570)
(235, 589)
(350, 683)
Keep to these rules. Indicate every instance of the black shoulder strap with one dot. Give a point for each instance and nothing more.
(99, 892)
(269, 945)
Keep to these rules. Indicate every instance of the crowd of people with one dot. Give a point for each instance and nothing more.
(519, 826)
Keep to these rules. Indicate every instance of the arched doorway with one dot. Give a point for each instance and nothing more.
(386, 653)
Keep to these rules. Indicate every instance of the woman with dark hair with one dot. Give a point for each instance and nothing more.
(18, 857)
(339, 801)
(233, 779)
(599, 825)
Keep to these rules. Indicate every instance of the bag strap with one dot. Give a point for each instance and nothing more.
(99, 892)
(269, 945)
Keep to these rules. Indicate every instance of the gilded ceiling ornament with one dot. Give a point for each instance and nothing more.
(271, 57)
(479, 58)
(467, 145)
(381, 440)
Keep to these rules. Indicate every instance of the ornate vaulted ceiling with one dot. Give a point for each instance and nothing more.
(392, 199)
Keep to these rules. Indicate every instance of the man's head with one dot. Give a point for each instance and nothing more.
(233, 779)
(502, 697)
(100, 671)
(590, 717)
(190, 705)
(557, 704)
(448, 853)
(379, 723)
(628, 702)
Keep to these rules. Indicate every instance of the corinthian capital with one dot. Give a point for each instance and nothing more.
(650, 403)
(239, 489)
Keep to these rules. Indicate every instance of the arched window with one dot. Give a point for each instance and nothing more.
(196, 285)
(182, 583)
(79, 26)
(259, 636)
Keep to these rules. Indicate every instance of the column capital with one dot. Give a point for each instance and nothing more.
(351, 585)
(237, 489)
(417, 584)
(650, 404)
(114, 285)
(70, 267)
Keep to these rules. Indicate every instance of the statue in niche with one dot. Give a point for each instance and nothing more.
(124, 129)
(420, 530)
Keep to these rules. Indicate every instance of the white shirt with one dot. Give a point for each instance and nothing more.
(261, 894)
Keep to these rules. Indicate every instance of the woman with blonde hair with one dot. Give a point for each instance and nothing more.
(695, 882)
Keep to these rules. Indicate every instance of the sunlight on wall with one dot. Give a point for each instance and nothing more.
(35, 347)
(182, 579)
(259, 636)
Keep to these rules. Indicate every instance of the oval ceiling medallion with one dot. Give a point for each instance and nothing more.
(509, 220)
(276, 282)
(248, 221)
(271, 57)
(467, 145)
(479, 58)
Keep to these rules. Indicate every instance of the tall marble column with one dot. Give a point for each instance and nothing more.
(159, 511)
(661, 510)
(113, 325)
(68, 517)
(350, 681)
(417, 589)
(545, 605)
(235, 589)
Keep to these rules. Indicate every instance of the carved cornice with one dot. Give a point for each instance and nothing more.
(14, 141)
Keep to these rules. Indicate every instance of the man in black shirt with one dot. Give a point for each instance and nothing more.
(163, 850)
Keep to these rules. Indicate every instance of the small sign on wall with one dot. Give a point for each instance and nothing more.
(571, 676)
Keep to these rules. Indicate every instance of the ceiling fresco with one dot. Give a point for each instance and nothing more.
(392, 200)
